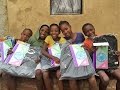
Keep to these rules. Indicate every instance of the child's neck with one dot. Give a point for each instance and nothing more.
(92, 37)
(57, 39)
(73, 36)
(21, 40)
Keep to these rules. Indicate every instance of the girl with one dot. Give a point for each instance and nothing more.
(37, 40)
(70, 71)
(50, 41)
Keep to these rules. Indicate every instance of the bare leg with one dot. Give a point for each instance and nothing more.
(116, 74)
(92, 83)
(80, 84)
(0, 73)
(10, 81)
(60, 83)
(39, 79)
(104, 80)
(47, 80)
(118, 85)
(73, 85)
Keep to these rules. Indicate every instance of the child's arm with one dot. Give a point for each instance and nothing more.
(93, 49)
(117, 53)
(44, 52)
(38, 59)
(9, 51)
(89, 49)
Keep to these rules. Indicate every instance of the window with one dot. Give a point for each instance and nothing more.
(63, 7)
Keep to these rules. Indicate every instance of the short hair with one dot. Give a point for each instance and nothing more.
(28, 30)
(64, 22)
(86, 24)
(44, 25)
(54, 24)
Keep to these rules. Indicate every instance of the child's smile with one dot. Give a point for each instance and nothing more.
(54, 32)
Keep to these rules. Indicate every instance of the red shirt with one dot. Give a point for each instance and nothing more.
(88, 43)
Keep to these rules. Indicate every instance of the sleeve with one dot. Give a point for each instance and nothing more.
(47, 40)
(88, 44)
(82, 37)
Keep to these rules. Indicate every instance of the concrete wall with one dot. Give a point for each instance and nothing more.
(3, 17)
(29, 84)
(104, 14)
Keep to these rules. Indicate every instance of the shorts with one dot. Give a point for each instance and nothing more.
(107, 71)
(54, 68)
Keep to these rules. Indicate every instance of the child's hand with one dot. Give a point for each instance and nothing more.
(9, 51)
(38, 59)
(84, 46)
(57, 60)
(93, 49)
(117, 53)
(89, 49)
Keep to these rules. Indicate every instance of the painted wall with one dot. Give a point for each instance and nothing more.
(3, 17)
(103, 14)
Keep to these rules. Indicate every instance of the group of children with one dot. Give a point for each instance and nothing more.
(47, 37)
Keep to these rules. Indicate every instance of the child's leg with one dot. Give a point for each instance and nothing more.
(73, 85)
(60, 83)
(47, 80)
(10, 81)
(0, 73)
(116, 74)
(104, 80)
(92, 83)
(39, 79)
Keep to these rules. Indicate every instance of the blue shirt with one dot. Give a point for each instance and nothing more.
(79, 38)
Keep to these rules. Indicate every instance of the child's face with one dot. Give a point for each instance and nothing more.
(89, 31)
(54, 32)
(66, 30)
(44, 32)
(25, 35)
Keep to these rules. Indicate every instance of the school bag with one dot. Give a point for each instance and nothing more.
(113, 46)
(69, 70)
(27, 68)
